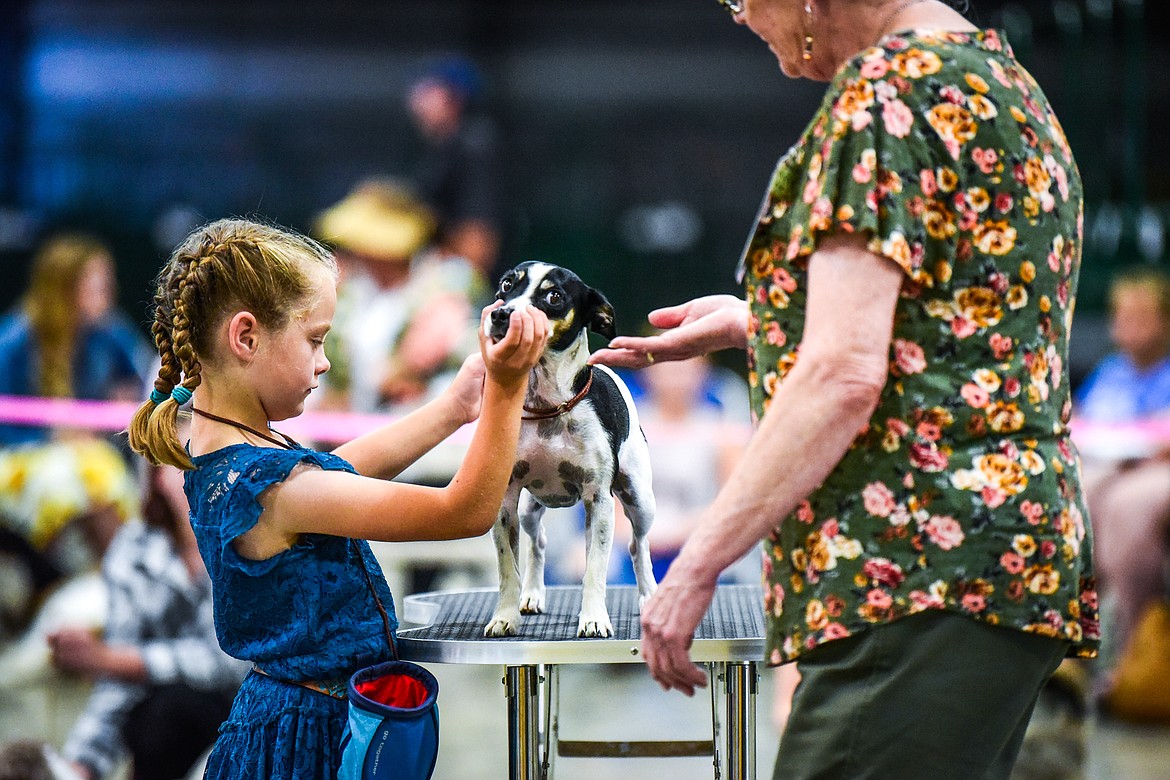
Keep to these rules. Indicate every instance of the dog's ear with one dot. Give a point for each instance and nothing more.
(600, 319)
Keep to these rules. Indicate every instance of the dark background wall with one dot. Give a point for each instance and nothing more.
(638, 136)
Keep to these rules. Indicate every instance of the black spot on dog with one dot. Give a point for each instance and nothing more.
(571, 472)
(520, 470)
(536, 484)
(572, 492)
(548, 429)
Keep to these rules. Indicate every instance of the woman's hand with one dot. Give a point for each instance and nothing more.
(510, 360)
(466, 390)
(694, 328)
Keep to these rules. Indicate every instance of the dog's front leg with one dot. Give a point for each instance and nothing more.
(506, 535)
(599, 520)
(532, 597)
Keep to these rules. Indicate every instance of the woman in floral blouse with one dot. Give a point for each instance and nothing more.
(909, 291)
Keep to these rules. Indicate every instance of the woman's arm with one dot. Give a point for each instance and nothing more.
(694, 328)
(813, 418)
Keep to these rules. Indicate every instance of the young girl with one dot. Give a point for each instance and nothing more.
(241, 315)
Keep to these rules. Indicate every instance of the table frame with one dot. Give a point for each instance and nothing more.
(530, 661)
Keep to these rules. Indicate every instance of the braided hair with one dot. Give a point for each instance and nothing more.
(227, 266)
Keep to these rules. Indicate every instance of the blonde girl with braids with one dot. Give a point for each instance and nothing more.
(65, 339)
(240, 320)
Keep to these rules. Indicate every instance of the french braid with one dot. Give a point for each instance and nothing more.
(225, 266)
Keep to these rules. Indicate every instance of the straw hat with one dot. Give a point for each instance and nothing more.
(379, 219)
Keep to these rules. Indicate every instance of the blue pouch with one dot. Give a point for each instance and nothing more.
(392, 732)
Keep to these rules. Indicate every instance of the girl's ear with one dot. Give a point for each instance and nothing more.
(243, 332)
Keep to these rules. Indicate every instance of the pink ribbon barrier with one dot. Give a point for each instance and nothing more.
(114, 416)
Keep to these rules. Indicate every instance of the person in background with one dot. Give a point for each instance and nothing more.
(162, 685)
(458, 173)
(66, 339)
(1129, 496)
(696, 426)
(374, 231)
(908, 293)
(63, 492)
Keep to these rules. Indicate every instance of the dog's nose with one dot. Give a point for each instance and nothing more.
(500, 316)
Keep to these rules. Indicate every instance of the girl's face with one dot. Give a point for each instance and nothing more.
(290, 361)
(95, 289)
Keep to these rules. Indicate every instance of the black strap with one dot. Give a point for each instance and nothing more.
(377, 599)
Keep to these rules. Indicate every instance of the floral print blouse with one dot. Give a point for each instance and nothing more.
(962, 492)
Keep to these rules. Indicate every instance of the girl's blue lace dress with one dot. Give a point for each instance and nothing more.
(303, 615)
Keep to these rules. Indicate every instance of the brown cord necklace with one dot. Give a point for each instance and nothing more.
(288, 443)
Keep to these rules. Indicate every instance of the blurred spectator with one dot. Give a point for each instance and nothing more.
(26, 759)
(1129, 497)
(402, 319)
(61, 503)
(66, 339)
(457, 173)
(374, 231)
(162, 683)
(695, 435)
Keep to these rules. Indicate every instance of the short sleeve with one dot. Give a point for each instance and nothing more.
(247, 481)
(873, 165)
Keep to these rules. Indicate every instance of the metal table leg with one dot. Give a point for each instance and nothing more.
(523, 692)
(741, 685)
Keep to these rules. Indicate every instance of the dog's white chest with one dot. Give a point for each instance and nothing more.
(563, 460)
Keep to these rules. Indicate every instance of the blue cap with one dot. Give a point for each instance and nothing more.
(458, 74)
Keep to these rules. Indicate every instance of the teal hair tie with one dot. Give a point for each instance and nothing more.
(157, 397)
(181, 395)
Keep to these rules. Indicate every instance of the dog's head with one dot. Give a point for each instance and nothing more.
(570, 304)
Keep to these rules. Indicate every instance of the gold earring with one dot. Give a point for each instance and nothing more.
(808, 39)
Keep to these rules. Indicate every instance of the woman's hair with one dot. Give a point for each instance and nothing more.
(51, 306)
(227, 266)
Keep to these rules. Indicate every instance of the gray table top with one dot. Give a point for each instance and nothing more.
(448, 628)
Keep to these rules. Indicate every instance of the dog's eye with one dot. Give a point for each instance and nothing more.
(554, 298)
(505, 285)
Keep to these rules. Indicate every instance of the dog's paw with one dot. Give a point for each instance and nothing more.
(532, 604)
(507, 624)
(594, 629)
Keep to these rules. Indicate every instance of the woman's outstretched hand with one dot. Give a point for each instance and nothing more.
(694, 328)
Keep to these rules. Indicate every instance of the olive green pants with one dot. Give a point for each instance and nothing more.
(936, 696)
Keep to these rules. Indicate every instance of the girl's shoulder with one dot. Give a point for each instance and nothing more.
(261, 464)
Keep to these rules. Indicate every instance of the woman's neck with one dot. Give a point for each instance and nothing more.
(849, 32)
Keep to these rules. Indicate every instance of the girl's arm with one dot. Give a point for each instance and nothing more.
(386, 451)
(332, 502)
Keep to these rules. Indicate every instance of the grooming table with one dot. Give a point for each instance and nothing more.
(730, 640)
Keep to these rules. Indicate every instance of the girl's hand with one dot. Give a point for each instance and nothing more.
(694, 328)
(466, 390)
(510, 360)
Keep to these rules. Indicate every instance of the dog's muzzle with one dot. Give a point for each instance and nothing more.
(498, 324)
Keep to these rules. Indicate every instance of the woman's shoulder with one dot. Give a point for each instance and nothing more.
(907, 59)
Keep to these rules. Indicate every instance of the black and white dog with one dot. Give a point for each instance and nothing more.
(580, 442)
